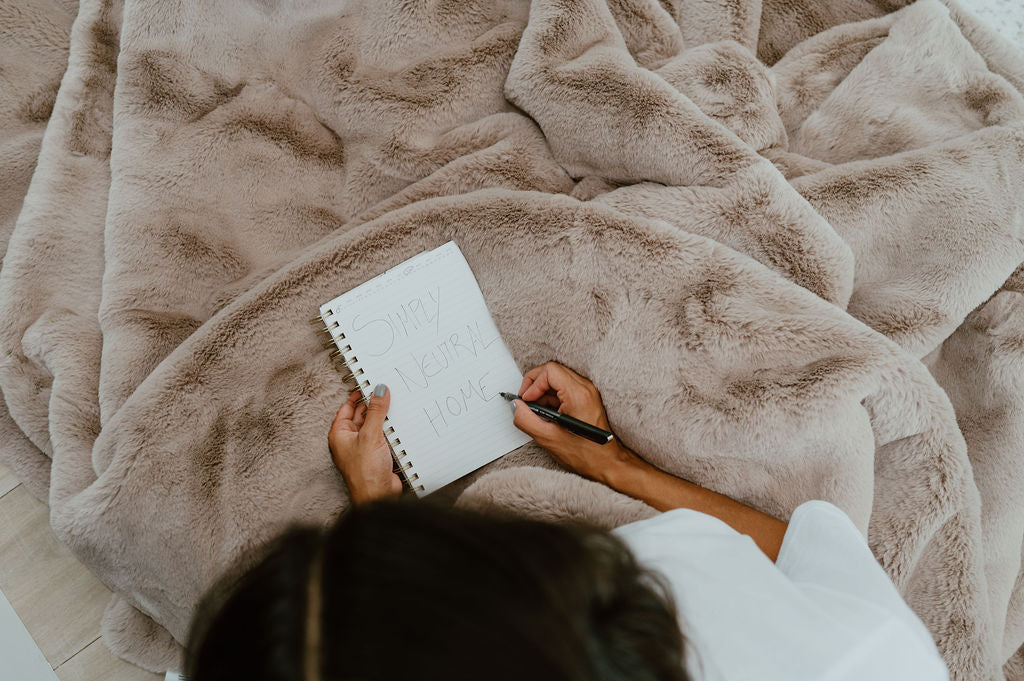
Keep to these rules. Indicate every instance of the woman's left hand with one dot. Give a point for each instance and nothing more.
(360, 450)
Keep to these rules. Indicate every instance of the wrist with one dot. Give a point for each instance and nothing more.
(622, 471)
(648, 483)
(360, 498)
(361, 491)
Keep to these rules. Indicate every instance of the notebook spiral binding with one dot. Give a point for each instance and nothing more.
(342, 351)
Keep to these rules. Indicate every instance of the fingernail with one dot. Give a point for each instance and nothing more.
(379, 390)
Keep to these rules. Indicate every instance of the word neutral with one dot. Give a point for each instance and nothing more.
(425, 364)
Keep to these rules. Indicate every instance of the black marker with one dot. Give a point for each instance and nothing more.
(574, 426)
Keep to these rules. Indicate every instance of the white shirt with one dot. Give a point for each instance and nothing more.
(825, 610)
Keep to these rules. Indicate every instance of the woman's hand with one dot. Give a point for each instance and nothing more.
(554, 385)
(561, 388)
(360, 450)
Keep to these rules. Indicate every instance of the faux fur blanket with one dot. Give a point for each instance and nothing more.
(790, 232)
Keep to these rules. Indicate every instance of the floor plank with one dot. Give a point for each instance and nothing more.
(97, 663)
(22, 659)
(7, 480)
(59, 600)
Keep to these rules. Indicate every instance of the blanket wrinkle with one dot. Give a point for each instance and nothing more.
(791, 230)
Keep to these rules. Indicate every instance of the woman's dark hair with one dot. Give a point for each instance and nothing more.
(401, 590)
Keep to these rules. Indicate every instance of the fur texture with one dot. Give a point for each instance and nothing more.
(790, 233)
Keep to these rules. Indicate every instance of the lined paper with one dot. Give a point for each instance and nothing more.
(423, 328)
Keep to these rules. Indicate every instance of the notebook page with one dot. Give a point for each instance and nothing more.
(423, 328)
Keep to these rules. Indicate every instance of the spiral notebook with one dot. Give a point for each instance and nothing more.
(423, 328)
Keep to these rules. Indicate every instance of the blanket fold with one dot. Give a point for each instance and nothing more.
(791, 232)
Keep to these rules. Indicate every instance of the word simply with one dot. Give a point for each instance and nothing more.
(442, 410)
(425, 364)
(413, 315)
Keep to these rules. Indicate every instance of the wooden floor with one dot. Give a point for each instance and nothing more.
(57, 598)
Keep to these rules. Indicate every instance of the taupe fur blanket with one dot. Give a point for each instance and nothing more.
(790, 230)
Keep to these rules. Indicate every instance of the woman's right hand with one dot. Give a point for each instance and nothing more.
(561, 388)
(557, 386)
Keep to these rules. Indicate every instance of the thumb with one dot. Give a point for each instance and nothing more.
(531, 424)
(376, 410)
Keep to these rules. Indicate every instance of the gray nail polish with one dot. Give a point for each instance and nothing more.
(380, 390)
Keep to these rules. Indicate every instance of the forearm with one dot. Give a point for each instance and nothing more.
(639, 479)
